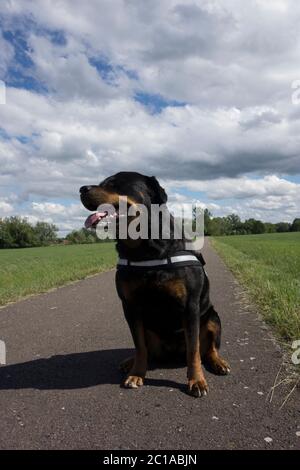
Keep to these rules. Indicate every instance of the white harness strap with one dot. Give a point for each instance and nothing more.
(182, 258)
(158, 262)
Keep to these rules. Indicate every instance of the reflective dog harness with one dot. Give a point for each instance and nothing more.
(178, 260)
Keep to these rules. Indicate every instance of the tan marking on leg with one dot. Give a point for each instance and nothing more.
(138, 371)
(197, 385)
(204, 341)
(211, 354)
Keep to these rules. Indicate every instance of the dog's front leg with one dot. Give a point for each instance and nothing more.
(197, 385)
(138, 371)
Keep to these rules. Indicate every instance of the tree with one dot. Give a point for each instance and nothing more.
(82, 236)
(45, 233)
(283, 227)
(207, 220)
(6, 240)
(259, 227)
(16, 232)
(270, 228)
(233, 224)
(19, 233)
(254, 226)
(217, 226)
(295, 227)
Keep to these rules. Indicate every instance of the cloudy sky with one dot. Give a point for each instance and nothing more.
(198, 93)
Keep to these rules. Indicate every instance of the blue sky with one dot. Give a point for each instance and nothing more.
(172, 92)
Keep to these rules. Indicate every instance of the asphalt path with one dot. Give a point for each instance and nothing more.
(60, 388)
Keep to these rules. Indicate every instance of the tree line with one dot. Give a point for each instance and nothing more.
(17, 232)
(83, 236)
(232, 225)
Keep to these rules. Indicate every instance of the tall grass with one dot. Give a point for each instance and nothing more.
(268, 266)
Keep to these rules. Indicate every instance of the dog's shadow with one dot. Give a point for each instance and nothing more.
(74, 371)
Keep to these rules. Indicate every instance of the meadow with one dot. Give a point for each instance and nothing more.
(268, 266)
(27, 271)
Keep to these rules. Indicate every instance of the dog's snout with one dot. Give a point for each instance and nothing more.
(84, 189)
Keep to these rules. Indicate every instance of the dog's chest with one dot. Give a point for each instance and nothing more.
(153, 291)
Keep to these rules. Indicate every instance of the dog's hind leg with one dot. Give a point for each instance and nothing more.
(210, 340)
(197, 385)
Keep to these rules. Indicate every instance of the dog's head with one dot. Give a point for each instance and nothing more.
(138, 189)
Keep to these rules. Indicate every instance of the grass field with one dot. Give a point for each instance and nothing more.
(269, 267)
(33, 270)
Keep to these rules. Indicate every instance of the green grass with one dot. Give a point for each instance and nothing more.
(269, 267)
(34, 270)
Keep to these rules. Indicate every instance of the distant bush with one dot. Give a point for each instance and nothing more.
(83, 236)
(283, 227)
(16, 232)
(295, 226)
(232, 225)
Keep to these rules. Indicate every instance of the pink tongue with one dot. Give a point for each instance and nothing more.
(93, 219)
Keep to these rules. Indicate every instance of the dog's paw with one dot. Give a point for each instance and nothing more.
(133, 381)
(220, 366)
(197, 388)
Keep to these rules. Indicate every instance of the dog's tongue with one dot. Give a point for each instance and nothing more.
(93, 219)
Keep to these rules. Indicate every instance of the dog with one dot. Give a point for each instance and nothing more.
(168, 311)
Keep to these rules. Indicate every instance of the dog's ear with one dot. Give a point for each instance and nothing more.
(159, 194)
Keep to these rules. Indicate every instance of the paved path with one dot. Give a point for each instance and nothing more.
(60, 388)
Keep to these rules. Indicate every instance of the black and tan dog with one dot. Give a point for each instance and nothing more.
(168, 311)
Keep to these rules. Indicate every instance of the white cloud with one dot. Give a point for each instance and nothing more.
(243, 187)
(5, 208)
(7, 54)
(269, 198)
(232, 66)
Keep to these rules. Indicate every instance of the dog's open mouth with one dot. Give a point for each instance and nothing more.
(93, 220)
(115, 212)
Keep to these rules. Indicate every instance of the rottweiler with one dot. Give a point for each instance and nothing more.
(168, 311)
